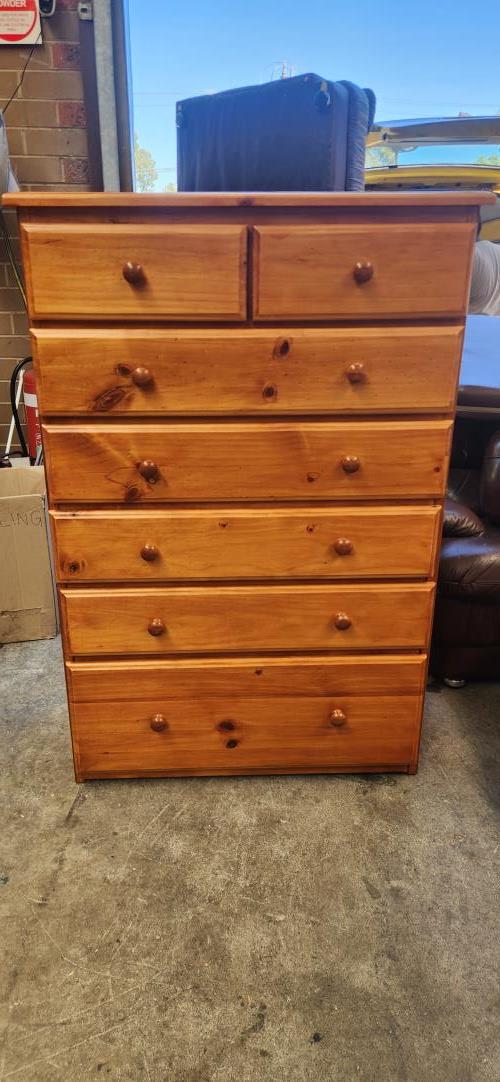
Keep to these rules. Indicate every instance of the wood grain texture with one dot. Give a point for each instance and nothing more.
(306, 272)
(308, 659)
(236, 618)
(72, 201)
(258, 543)
(117, 681)
(230, 734)
(259, 461)
(190, 272)
(92, 371)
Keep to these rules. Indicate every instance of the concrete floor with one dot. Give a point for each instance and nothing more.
(323, 928)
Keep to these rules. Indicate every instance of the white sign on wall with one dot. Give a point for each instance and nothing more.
(20, 22)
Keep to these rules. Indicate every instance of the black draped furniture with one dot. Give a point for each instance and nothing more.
(300, 134)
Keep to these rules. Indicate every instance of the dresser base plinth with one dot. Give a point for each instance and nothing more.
(405, 768)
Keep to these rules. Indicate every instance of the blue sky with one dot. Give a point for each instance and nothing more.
(421, 58)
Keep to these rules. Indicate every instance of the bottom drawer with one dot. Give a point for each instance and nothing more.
(260, 717)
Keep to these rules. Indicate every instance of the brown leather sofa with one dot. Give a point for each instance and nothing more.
(466, 634)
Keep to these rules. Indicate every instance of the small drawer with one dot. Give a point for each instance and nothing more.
(223, 619)
(219, 543)
(159, 372)
(371, 271)
(249, 716)
(137, 464)
(167, 272)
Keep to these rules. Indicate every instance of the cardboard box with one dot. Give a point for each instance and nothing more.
(27, 597)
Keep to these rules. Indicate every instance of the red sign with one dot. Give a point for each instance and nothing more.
(19, 22)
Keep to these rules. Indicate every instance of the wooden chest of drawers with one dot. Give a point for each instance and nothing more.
(247, 406)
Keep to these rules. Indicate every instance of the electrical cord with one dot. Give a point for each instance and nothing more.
(25, 360)
(15, 414)
(23, 73)
(16, 272)
(12, 258)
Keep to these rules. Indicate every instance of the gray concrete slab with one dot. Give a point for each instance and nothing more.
(253, 929)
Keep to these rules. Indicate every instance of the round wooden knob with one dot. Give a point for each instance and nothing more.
(158, 723)
(133, 273)
(342, 546)
(156, 627)
(355, 372)
(350, 463)
(142, 377)
(149, 470)
(342, 621)
(150, 553)
(362, 271)
(338, 718)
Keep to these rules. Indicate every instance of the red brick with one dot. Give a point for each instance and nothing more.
(68, 188)
(20, 323)
(31, 114)
(14, 243)
(55, 85)
(14, 59)
(10, 219)
(62, 141)
(16, 252)
(66, 56)
(8, 83)
(10, 300)
(63, 26)
(9, 276)
(14, 347)
(71, 114)
(75, 170)
(37, 169)
(16, 140)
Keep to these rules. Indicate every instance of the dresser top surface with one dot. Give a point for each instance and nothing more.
(247, 199)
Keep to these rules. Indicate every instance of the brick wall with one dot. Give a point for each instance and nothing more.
(46, 127)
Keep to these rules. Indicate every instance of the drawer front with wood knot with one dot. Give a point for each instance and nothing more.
(247, 404)
(231, 372)
(239, 543)
(289, 713)
(272, 461)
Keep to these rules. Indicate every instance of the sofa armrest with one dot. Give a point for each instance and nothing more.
(460, 521)
(490, 480)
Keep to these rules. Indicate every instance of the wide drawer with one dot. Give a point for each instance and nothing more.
(249, 716)
(221, 736)
(236, 618)
(257, 461)
(258, 543)
(193, 272)
(361, 369)
(367, 271)
(108, 681)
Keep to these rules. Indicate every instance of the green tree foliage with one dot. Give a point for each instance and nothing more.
(380, 157)
(489, 159)
(146, 173)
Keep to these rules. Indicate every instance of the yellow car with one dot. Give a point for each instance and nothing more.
(446, 152)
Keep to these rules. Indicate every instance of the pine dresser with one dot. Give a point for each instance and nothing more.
(247, 405)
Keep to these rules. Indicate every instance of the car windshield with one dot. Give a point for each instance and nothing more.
(436, 154)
